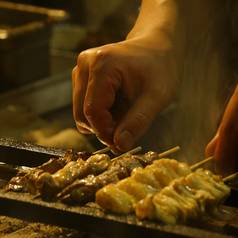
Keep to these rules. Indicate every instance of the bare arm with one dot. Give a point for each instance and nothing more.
(119, 89)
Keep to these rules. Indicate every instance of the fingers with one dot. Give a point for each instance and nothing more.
(224, 146)
(104, 82)
(136, 122)
(80, 80)
(96, 81)
(115, 93)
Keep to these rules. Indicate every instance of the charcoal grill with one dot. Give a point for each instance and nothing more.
(90, 218)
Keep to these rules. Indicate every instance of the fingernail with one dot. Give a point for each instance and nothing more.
(126, 140)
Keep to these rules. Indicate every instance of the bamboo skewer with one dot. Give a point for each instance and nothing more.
(163, 154)
(137, 149)
(104, 150)
(201, 163)
(169, 151)
(230, 177)
(226, 179)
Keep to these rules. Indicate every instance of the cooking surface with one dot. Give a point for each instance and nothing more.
(90, 217)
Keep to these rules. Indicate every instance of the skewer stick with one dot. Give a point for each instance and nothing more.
(137, 149)
(160, 155)
(104, 150)
(230, 177)
(169, 151)
(201, 163)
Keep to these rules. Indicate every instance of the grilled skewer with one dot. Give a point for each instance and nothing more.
(123, 196)
(25, 179)
(83, 191)
(48, 185)
(185, 198)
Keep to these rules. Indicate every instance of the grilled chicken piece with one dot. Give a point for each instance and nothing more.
(143, 181)
(49, 185)
(213, 184)
(83, 191)
(116, 199)
(25, 179)
(185, 198)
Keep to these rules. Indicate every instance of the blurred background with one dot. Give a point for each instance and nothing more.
(39, 44)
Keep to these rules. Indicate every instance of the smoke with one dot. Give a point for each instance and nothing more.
(192, 119)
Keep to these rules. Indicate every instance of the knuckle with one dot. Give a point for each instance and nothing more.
(84, 57)
(102, 53)
(102, 57)
(81, 57)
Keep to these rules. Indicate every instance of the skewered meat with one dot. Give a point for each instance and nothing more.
(123, 196)
(83, 191)
(185, 198)
(25, 179)
(49, 185)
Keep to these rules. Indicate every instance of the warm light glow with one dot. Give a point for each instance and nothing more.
(3, 34)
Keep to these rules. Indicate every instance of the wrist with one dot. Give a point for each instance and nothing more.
(161, 26)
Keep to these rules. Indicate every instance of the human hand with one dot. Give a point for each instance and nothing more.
(119, 89)
(224, 146)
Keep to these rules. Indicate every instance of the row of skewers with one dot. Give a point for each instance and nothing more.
(50, 178)
(149, 185)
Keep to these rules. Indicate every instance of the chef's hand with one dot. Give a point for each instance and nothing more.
(119, 89)
(224, 145)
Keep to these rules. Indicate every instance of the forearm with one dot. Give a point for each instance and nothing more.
(162, 26)
(172, 24)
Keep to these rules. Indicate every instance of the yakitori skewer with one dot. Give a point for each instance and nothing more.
(230, 177)
(106, 149)
(133, 151)
(195, 166)
(137, 149)
(161, 155)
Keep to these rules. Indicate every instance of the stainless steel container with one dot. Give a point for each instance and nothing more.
(24, 43)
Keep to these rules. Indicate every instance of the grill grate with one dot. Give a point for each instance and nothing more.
(91, 218)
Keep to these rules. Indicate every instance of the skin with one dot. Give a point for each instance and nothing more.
(115, 85)
(224, 146)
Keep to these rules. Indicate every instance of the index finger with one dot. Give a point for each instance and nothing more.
(103, 85)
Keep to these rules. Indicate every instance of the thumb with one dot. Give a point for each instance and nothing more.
(136, 122)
